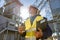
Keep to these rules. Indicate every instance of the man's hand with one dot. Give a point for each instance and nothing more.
(39, 33)
(21, 30)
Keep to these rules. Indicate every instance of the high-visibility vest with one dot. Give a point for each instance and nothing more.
(30, 28)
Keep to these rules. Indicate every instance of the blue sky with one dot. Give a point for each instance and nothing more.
(27, 2)
(2, 3)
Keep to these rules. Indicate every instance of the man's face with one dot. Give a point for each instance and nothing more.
(32, 11)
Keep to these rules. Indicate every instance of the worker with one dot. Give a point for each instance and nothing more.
(36, 26)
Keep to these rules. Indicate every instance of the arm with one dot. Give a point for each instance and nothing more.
(47, 32)
(40, 26)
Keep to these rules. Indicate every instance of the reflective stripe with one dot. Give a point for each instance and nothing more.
(32, 29)
(30, 37)
(42, 21)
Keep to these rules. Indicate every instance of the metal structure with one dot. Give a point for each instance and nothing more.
(8, 30)
(55, 8)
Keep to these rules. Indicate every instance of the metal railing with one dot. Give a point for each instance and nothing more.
(3, 27)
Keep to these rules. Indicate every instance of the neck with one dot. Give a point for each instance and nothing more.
(33, 14)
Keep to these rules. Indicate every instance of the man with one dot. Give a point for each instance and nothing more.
(36, 26)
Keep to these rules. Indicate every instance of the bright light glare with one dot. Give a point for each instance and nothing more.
(24, 12)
